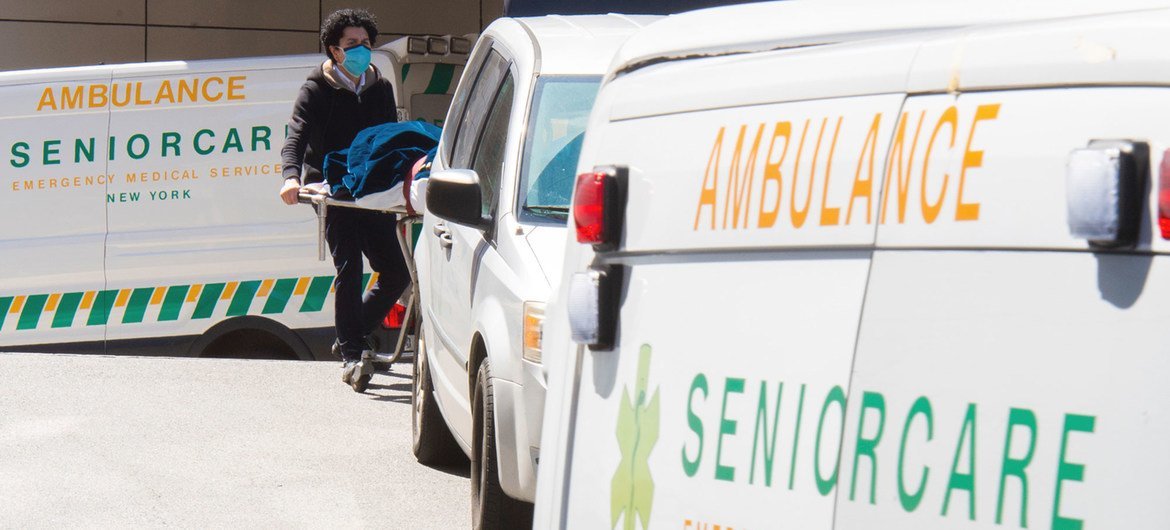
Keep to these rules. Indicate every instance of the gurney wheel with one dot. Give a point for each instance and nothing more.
(361, 383)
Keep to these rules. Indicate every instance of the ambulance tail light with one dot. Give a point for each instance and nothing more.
(594, 302)
(599, 206)
(1164, 195)
(395, 317)
(1105, 186)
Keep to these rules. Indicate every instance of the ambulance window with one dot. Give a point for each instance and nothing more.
(477, 108)
(489, 154)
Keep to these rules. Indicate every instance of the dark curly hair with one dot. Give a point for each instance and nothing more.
(337, 21)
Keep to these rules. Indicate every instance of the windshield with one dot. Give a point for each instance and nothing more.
(557, 125)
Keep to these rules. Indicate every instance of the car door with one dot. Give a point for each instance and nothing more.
(453, 249)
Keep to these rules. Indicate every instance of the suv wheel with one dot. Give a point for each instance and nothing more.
(432, 444)
(491, 508)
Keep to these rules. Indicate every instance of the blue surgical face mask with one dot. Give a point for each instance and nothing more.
(357, 59)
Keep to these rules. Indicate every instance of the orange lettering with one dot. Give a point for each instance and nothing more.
(207, 95)
(772, 172)
(707, 193)
(902, 177)
(114, 96)
(72, 99)
(236, 88)
(97, 96)
(830, 216)
(165, 92)
(930, 211)
(47, 100)
(798, 216)
(863, 188)
(970, 211)
(188, 90)
(138, 95)
(739, 183)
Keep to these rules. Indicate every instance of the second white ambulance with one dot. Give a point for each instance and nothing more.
(869, 266)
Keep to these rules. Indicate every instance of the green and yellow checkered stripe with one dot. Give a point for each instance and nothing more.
(95, 308)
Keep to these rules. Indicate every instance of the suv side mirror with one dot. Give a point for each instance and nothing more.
(454, 195)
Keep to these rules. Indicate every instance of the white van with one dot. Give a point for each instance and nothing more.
(891, 266)
(492, 244)
(140, 208)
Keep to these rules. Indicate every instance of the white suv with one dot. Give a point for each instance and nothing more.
(492, 245)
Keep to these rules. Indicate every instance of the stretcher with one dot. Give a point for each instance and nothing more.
(409, 224)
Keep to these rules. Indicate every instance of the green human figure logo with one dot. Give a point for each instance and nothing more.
(632, 489)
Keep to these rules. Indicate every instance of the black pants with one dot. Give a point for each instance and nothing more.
(352, 232)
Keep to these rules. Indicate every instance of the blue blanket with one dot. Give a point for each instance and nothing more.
(379, 158)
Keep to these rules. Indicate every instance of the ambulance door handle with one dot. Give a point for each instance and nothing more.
(444, 234)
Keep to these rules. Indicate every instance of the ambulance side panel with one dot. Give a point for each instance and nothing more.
(724, 400)
(1008, 376)
(193, 216)
(53, 179)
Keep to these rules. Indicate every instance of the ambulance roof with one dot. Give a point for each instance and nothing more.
(771, 25)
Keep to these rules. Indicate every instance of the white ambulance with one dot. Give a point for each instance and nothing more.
(861, 265)
(140, 212)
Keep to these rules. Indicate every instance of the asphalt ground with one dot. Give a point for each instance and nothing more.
(96, 441)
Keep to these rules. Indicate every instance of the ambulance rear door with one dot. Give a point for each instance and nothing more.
(1010, 373)
(748, 232)
(53, 187)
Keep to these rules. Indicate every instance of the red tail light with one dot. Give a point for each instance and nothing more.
(395, 317)
(589, 208)
(1164, 195)
(599, 205)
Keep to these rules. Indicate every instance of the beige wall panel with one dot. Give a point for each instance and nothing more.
(170, 44)
(414, 17)
(268, 14)
(37, 45)
(117, 11)
(490, 10)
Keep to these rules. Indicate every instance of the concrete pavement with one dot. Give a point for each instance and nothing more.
(126, 441)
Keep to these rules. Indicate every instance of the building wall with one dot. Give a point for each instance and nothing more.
(52, 33)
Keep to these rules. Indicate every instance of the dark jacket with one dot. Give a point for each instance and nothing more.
(328, 115)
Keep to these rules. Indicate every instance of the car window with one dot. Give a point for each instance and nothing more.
(478, 105)
(459, 99)
(489, 155)
(556, 128)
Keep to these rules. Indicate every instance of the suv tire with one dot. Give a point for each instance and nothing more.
(491, 508)
(432, 442)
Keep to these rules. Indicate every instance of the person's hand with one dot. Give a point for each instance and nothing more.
(290, 190)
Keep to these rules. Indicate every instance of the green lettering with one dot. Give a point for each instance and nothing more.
(233, 141)
(761, 434)
(145, 146)
(170, 140)
(1066, 471)
(110, 147)
(200, 134)
(260, 134)
(692, 466)
(79, 149)
(825, 485)
(868, 446)
(20, 155)
(964, 481)
(1017, 466)
(910, 501)
(796, 439)
(52, 147)
(731, 386)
